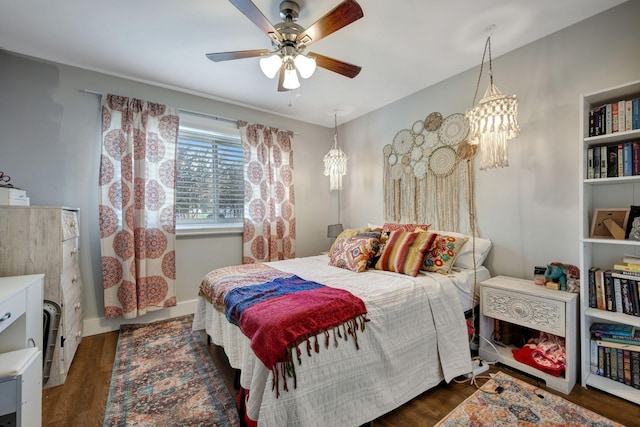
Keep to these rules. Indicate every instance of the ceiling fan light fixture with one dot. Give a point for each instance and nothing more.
(306, 66)
(290, 77)
(270, 65)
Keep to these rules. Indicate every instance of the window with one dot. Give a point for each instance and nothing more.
(209, 178)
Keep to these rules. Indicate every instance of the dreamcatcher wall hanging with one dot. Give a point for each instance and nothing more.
(428, 170)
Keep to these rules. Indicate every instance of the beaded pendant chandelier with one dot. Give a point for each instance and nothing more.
(494, 121)
(335, 163)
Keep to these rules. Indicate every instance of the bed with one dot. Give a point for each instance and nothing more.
(415, 337)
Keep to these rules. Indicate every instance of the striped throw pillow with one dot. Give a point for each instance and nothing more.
(404, 252)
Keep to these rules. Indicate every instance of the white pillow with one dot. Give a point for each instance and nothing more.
(465, 256)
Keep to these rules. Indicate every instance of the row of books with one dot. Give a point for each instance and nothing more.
(620, 116)
(608, 161)
(615, 290)
(615, 352)
(622, 365)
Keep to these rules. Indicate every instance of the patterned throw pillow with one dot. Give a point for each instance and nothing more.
(353, 253)
(376, 247)
(390, 226)
(349, 232)
(443, 253)
(404, 252)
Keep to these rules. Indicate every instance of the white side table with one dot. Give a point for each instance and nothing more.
(20, 350)
(520, 302)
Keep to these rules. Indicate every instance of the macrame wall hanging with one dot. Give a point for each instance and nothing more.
(428, 171)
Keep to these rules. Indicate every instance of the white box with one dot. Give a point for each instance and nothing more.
(13, 197)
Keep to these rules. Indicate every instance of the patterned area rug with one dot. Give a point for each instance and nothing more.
(521, 404)
(163, 375)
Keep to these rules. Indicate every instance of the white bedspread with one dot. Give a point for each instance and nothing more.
(416, 337)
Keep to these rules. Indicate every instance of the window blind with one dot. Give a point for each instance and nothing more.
(209, 178)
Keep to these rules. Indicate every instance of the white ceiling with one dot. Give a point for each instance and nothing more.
(403, 46)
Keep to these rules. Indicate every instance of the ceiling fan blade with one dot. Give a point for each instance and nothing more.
(238, 54)
(335, 65)
(281, 87)
(253, 13)
(342, 15)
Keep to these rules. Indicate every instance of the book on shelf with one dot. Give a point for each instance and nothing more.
(614, 290)
(590, 163)
(618, 116)
(618, 364)
(627, 159)
(612, 161)
(622, 123)
(620, 161)
(618, 345)
(613, 329)
(609, 161)
(631, 259)
(627, 296)
(617, 292)
(609, 297)
(608, 118)
(634, 268)
(635, 369)
(600, 297)
(628, 273)
(634, 340)
(593, 302)
(596, 162)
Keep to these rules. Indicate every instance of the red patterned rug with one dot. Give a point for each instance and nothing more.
(163, 375)
(521, 404)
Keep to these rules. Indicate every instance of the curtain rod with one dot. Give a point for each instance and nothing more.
(182, 110)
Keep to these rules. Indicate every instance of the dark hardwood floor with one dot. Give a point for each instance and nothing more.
(82, 399)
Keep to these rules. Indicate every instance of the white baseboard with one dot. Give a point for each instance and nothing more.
(99, 325)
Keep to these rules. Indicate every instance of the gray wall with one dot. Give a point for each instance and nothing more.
(49, 144)
(529, 209)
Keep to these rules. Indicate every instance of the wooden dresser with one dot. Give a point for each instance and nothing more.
(44, 239)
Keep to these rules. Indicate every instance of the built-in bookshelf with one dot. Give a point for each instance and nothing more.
(613, 191)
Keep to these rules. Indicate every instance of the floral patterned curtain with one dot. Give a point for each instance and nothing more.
(137, 206)
(269, 220)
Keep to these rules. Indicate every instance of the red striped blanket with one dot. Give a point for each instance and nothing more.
(279, 312)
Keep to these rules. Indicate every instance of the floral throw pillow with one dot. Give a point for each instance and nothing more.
(353, 253)
(443, 253)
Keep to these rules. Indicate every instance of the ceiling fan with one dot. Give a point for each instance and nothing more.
(290, 41)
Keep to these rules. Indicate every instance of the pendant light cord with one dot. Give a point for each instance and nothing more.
(487, 45)
(335, 145)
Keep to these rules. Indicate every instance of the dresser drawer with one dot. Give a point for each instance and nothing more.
(69, 224)
(69, 253)
(12, 308)
(73, 312)
(71, 286)
(530, 311)
(71, 343)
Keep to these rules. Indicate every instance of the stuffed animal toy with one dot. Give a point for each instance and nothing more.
(555, 273)
(566, 276)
